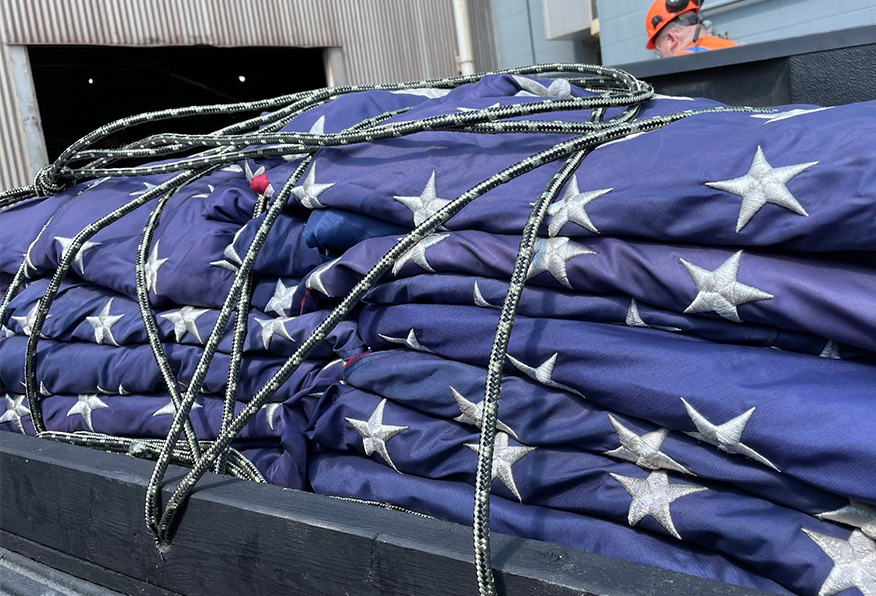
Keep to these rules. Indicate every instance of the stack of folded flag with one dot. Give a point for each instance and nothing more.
(689, 381)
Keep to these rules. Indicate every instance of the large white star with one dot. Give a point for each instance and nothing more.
(375, 433)
(719, 291)
(504, 456)
(270, 409)
(410, 341)
(318, 128)
(429, 92)
(184, 322)
(272, 327)
(634, 319)
(146, 188)
(571, 208)
(652, 496)
(479, 299)
(558, 89)
(426, 204)
(761, 185)
(543, 373)
(66, 243)
(831, 350)
(644, 450)
(27, 321)
(28, 262)
(85, 404)
(854, 563)
(308, 192)
(281, 301)
(232, 260)
(314, 281)
(552, 254)
(785, 115)
(15, 411)
(103, 324)
(153, 264)
(417, 253)
(170, 410)
(120, 391)
(473, 413)
(728, 436)
(856, 514)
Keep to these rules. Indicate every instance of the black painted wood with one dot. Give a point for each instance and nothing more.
(833, 68)
(237, 537)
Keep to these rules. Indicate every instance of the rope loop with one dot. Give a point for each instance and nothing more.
(46, 182)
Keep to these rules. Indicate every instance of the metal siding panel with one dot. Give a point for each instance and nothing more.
(13, 166)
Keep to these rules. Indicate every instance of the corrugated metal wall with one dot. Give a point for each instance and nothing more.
(381, 40)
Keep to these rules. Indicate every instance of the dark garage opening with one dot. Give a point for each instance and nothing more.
(80, 88)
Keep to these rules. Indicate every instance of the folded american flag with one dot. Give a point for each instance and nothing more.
(688, 384)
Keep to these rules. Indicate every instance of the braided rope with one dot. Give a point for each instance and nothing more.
(613, 89)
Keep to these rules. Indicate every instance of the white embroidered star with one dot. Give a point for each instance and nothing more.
(652, 496)
(27, 322)
(410, 341)
(247, 171)
(417, 253)
(571, 208)
(375, 433)
(120, 391)
(479, 299)
(644, 450)
(785, 115)
(205, 195)
(153, 264)
(544, 373)
(719, 291)
(675, 97)
(728, 436)
(854, 563)
(42, 390)
(6, 332)
(15, 411)
(552, 254)
(85, 405)
(426, 204)
(558, 89)
(184, 322)
(429, 92)
(66, 243)
(309, 192)
(270, 409)
(146, 188)
(281, 301)
(314, 282)
(233, 168)
(318, 128)
(831, 350)
(856, 514)
(170, 409)
(464, 109)
(272, 327)
(232, 260)
(761, 185)
(473, 413)
(103, 324)
(28, 263)
(634, 319)
(504, 456)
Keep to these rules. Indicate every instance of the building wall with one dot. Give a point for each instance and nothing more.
(521, 39)
(622, 22)
(379, 40)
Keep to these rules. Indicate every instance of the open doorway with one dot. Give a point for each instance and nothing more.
(80, 88)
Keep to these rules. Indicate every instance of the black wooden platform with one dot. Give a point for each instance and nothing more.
(827, 69)
(80, 512)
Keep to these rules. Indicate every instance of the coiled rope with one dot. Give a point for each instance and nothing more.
(261, 136)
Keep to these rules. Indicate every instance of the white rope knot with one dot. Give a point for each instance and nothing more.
(45, 185)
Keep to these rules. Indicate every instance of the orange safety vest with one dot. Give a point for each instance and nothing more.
(708, 42)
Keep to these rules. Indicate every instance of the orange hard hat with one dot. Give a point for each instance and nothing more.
(663, 11)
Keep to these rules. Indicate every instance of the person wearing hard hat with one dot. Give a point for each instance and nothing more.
(675, 27)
